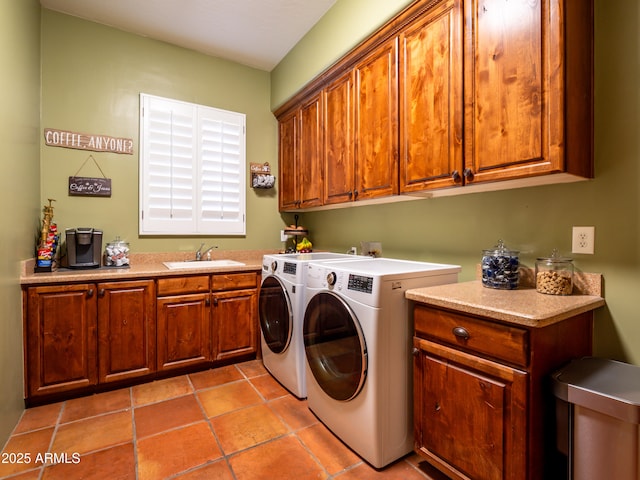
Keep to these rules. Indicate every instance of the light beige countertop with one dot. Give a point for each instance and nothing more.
(522, 306)
(144, 266)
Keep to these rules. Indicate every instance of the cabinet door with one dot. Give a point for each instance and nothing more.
(310, 157)
(60, 336)
(376, 123)
(288, 161)
(514, 89)
(183, 331)
(431, 100)
(339, 182)
(235, 330)
(126, 330)
(469, 414)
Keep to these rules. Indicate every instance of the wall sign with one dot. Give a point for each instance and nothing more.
(90, 186)
(84, 141)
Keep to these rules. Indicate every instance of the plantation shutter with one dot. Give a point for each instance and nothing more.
(192, 169)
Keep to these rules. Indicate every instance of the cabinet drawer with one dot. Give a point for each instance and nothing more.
(510, 344)
(234, 281)
(179, 285)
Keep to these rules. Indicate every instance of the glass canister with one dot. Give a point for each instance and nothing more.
(554, 275)
(500, 267)
(117, 253)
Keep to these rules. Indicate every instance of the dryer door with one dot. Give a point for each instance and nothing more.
(335, 347)
(276, 316)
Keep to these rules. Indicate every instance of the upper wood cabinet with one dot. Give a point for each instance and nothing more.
(431, 100)
(339, 166)
(301, 159)
(481, 94)
(376, 123)
(528, 88)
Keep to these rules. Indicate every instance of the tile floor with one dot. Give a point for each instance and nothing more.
(233, 422)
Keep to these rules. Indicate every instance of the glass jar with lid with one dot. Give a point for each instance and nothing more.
(500, 267)
(116, 253)
(554, 274)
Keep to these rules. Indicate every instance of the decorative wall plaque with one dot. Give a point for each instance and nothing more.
(84, 141)
(90, 186)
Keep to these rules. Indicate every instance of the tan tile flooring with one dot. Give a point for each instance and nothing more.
(233, 422)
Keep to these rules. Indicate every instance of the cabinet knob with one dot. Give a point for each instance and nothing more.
(215, 302)
(101, 292)
(461, 332)
(355, 194)
(415, 351)
(90, 293)
(207, 302)
(468, 174)
(456, 176)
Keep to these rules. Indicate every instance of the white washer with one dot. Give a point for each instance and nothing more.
(357, 335)
(281, 310)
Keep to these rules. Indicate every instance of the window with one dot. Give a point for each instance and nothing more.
(192, 169)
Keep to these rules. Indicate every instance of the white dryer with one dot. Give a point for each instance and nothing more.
(357, 337)
(281, 310)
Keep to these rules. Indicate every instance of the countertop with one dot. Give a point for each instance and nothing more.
(144, 265)
(522, 306)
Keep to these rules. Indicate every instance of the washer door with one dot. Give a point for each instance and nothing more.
(276, 317)
(334, 345)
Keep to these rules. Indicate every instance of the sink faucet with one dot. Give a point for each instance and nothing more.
(206, 253)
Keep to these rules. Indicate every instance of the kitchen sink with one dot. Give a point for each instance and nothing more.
(194, 264)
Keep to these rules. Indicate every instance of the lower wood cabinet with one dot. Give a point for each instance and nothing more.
(77, 336)
(84, 337)
(126, 330)
(483, 407)
(184, 331)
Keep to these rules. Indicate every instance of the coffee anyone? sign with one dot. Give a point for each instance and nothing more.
(84, 141)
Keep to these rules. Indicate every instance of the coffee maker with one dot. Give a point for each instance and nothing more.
(84, 247)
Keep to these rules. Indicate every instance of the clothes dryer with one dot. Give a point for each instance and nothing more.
(281, 309)
(357, 333)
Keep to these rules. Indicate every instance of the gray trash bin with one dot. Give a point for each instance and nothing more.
(598, 413)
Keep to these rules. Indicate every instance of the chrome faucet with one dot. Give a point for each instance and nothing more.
(206, 253)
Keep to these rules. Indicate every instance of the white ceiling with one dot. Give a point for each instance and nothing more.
(257, 33)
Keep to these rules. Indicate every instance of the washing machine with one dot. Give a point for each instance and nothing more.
(357, 333)
(281, 309)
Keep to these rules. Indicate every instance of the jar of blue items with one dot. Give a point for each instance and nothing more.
(500, 267)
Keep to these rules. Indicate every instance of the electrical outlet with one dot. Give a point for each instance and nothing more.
(583, 240)
(353, 251)
(283, 237)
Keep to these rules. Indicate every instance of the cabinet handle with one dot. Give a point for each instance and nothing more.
(215, 302)
(355, 194)
(468, 174)
(101, 292)
(461, 332)
(456, 176)
(90, 293)
(207, 302)
(415, 351)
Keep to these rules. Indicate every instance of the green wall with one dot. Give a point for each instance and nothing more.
(533, 220)
(92, 76)
(19, 186)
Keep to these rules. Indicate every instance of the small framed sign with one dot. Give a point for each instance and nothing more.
(90, 187)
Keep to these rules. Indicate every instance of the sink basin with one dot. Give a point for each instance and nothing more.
(192, 265)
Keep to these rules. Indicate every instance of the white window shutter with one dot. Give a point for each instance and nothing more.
(222, 172)
(192, 169)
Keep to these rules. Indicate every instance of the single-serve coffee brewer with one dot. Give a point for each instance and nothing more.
(84, 247)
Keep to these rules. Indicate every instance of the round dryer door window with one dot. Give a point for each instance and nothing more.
(334, 346)
(276, 318)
